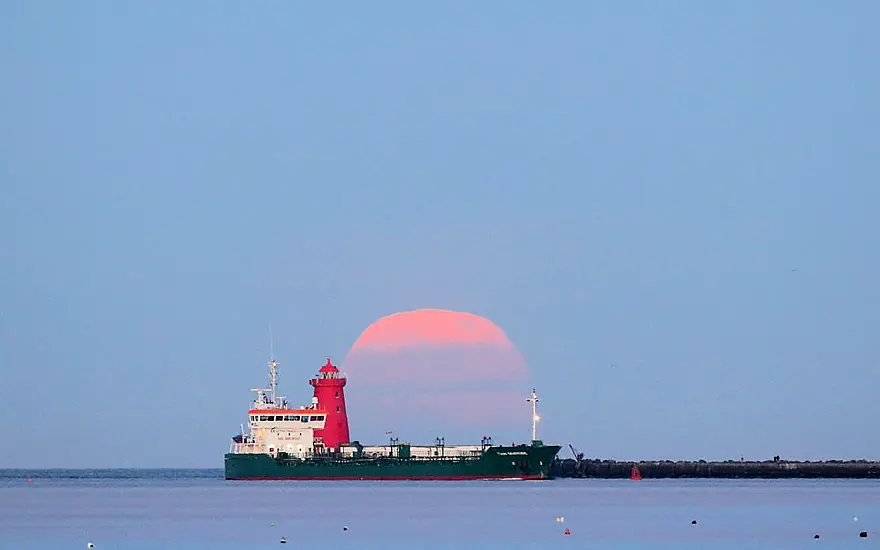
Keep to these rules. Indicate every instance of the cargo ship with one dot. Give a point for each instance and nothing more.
(312, 443)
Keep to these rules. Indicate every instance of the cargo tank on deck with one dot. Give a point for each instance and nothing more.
(312, 443)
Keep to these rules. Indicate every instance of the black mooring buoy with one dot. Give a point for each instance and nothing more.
(816, 536)
(863, 534)
(283, 540)
(693, 522)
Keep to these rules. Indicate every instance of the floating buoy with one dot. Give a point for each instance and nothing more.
(345, 527)
(283, 540)
(855, 518)
(273, 524)
(90, 545)
(30, 480)
(693, 522)
(567, 532)
(863, 534)
(560, 519)
(816, 536)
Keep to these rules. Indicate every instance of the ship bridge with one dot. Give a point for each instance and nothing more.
(290, 431)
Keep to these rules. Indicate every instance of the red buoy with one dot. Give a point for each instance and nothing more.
(635, 475)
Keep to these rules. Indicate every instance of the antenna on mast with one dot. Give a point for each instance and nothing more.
(533, 399)
(273, 365)
(271, 343)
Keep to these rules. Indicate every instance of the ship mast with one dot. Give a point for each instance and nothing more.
(533, 399)
(273, 378)
(273, 365)
(272, 400)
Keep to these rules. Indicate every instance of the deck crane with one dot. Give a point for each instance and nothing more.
(577, 456)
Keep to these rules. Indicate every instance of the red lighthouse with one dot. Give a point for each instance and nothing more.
(331, 397)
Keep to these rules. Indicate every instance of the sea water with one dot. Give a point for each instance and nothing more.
(197, 509)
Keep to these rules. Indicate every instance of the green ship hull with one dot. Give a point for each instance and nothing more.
(515, 462)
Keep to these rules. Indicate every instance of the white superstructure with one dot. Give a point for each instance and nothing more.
(275, 427)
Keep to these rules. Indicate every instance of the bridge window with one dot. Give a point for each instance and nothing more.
(263, 417)
(305, 418)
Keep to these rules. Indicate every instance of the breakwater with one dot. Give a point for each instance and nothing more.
(731, 469)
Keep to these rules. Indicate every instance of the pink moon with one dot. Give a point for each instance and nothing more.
(435, 373)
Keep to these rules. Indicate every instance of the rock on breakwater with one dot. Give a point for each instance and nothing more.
(731, 469)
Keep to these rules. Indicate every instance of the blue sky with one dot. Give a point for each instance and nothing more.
(671, 209)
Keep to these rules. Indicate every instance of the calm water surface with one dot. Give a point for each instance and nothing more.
(197, 509)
